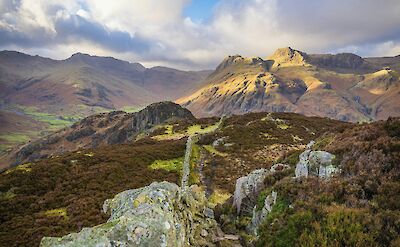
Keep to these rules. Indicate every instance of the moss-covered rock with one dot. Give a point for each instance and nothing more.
(160, 214)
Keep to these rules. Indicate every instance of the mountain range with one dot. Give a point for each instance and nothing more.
(342, 86)
(52, 94)
(60, 86)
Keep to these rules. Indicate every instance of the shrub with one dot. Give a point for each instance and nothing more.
(392, 126)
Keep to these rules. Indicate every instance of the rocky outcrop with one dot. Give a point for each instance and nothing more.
(160, 214)
(259, 215)
(238, 60)
(101, 129)
(286, 57)
(158, 113)
(248, 187)
(315, 163)
(341, 60)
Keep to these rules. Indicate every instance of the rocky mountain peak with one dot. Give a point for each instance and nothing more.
(157, 113)
(103, 61)
(287, 56)
(79, 56)
(239, 60)
(341, 60)
(229, 60)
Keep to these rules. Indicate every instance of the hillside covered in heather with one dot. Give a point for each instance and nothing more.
(358, 204)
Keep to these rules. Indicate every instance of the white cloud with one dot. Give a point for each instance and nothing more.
(156, 32)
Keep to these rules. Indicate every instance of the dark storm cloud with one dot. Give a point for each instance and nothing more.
(77, 28)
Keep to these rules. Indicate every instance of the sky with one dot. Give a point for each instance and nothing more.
(198, 34)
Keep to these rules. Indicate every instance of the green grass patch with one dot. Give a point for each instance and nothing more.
(7, 195)
(324, 141)
(168, 133)
(107, 225)
(198, 129)
(297, 138)
(4, 148)
(195, 129)
(55, 122)
(15, 138)
(169, 129)
(132, 108)
(268, 136)
(57, 212)
(25, 168)
(282, 126)
(218, 197)
(172, 165)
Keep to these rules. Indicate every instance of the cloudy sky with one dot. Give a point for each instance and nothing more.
(198, 34)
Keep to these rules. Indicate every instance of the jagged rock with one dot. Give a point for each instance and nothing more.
(341, 60)
(83, 132)
(259, 215)
(317, 163)
(248, 187)
(222, 142)
(160, 214)
(219, 141)
(278, 167)
(288, 57)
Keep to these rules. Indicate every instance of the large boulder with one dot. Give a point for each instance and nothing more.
(315, 163)
(160, 214)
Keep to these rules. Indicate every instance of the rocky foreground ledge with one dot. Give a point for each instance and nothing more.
(160, 214)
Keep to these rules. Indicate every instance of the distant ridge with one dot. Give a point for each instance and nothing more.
(343, 86)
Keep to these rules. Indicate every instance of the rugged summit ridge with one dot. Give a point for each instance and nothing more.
(285, 57)
(324, 85)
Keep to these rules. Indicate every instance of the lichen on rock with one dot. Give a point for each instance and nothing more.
(160, 214)
(248, 187)
(259, 216)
